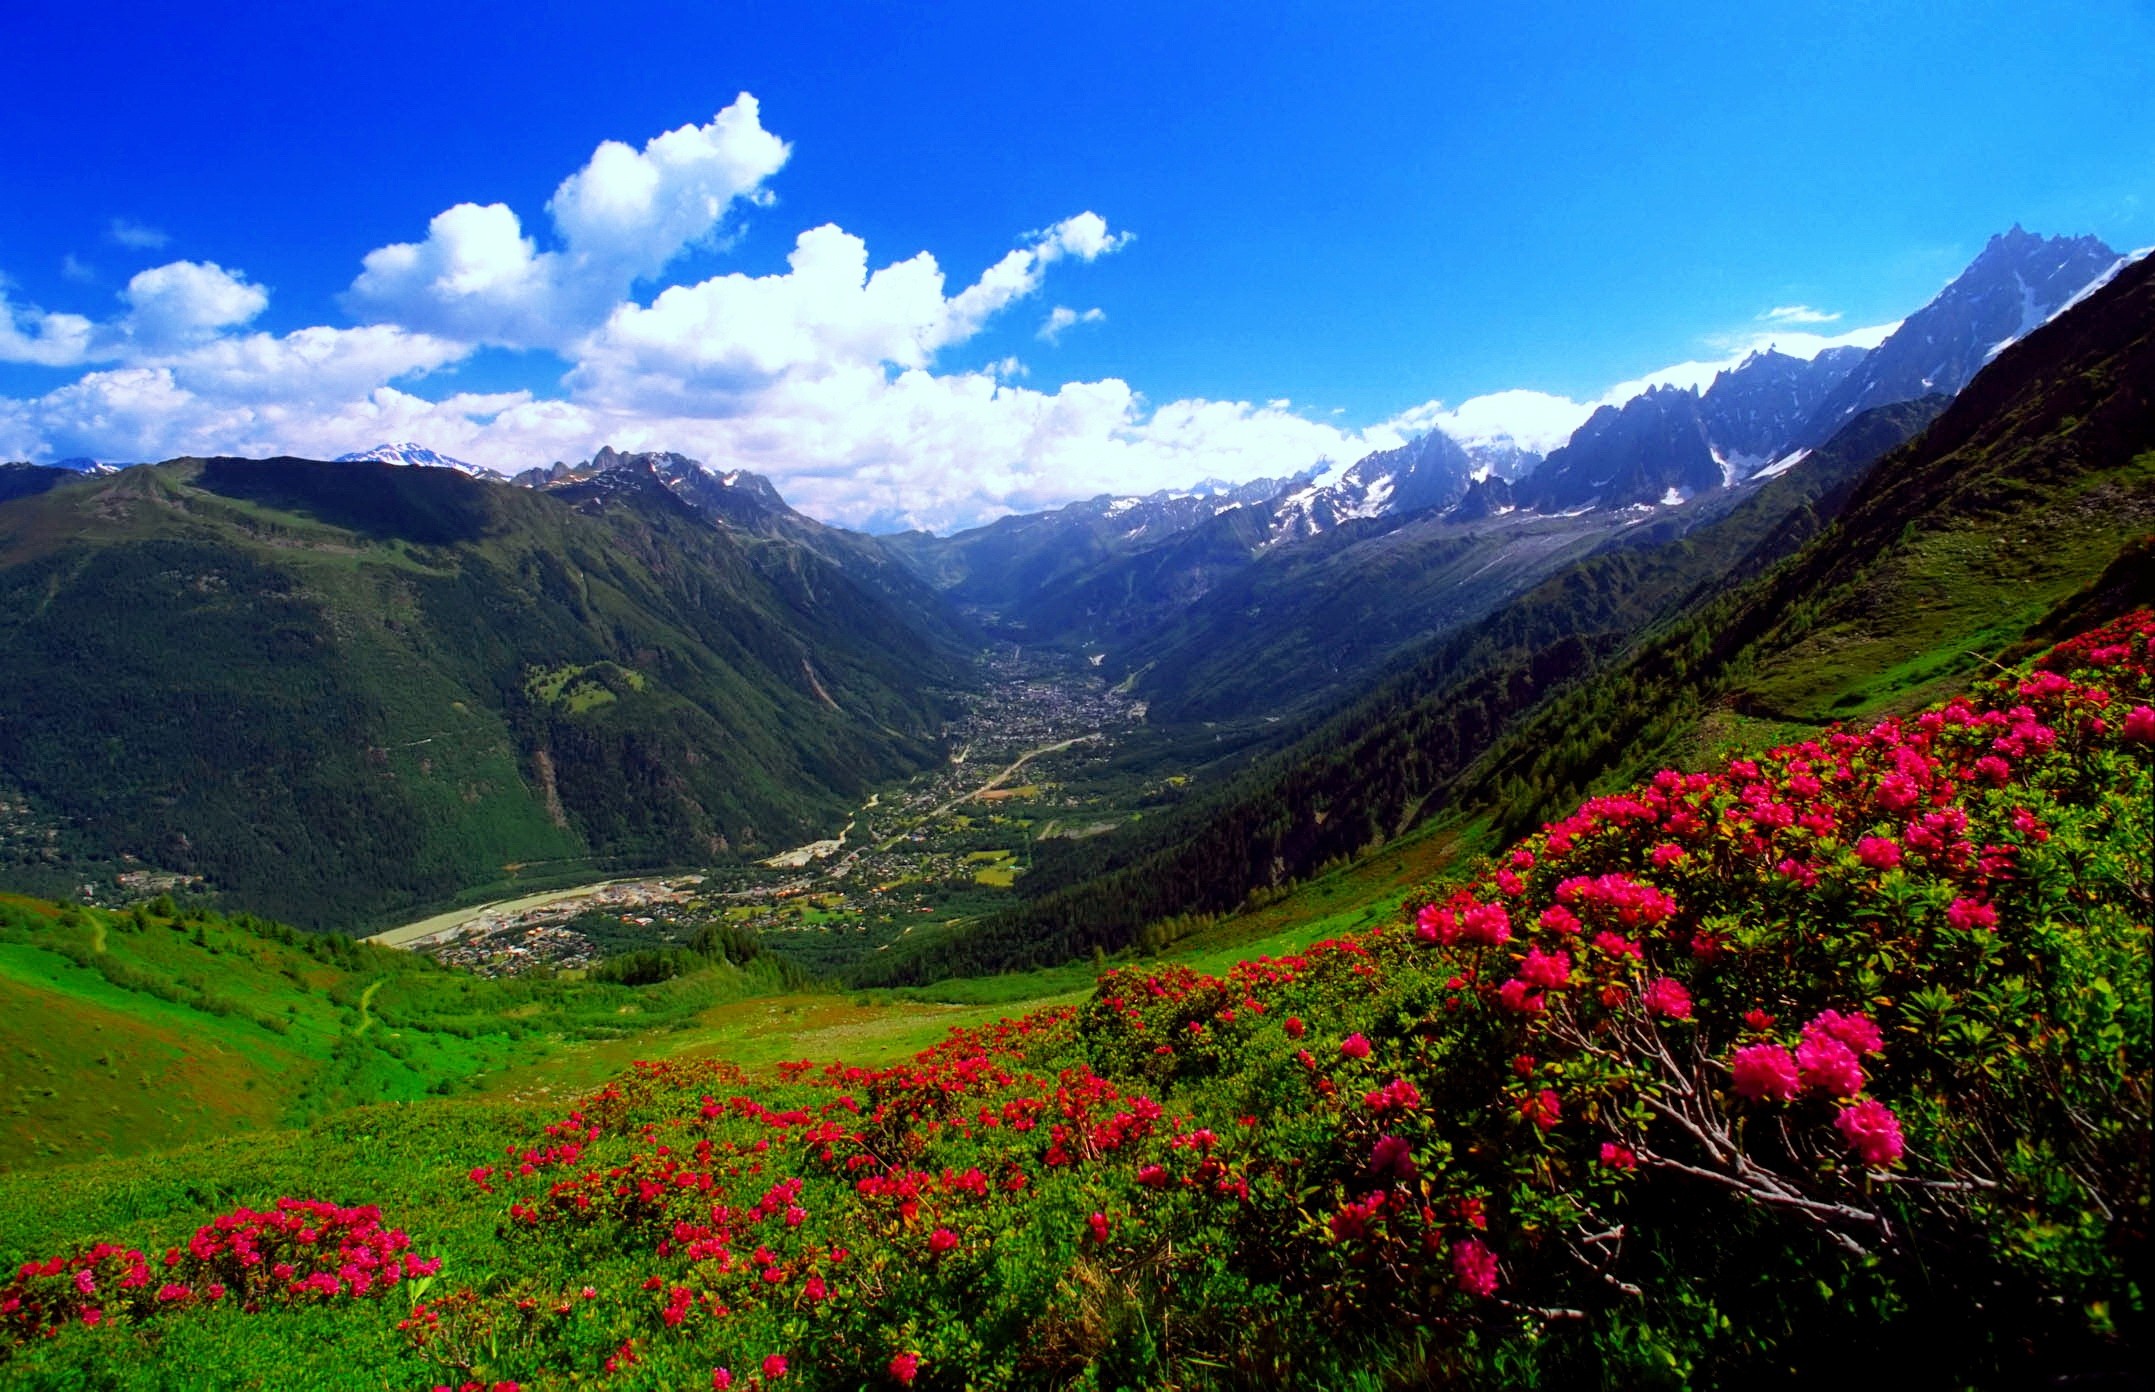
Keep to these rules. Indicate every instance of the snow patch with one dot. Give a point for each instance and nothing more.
(2100, 281)
(1782, 465)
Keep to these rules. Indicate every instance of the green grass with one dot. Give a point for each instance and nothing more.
(181, 1026)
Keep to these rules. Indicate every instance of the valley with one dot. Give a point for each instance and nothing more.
(936, 851)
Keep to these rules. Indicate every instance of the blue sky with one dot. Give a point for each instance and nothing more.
(1355, 210)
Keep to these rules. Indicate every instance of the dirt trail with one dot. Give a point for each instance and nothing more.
(365, 996)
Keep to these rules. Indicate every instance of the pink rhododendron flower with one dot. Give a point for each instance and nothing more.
(1856, 1031)
(2140, 725)
(1829, 1067)
(1550, 969)
(774, 1366)
(905, 1367)
(1872, 1131)
(942, 1240)
(1517, 995)
(1969, 915)
(1618, 1157)
(1558, 919)
(1486, 923)
(1354, 1046)
(1391, 1159)
(1475, 1267)
(721, 1379)
(1666, 996)
(1764, 1073)
(1878, 852)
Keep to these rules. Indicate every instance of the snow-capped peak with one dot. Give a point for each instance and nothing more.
(416, 456)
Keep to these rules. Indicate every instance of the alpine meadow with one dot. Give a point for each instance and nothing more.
(646, 747)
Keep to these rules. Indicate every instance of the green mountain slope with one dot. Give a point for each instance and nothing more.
(344, 692)
(127, 1033)
(1943, 554)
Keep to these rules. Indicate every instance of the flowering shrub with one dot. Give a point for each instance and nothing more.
(1878, 1000)
(298, 1251)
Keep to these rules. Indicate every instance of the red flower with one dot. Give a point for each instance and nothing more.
(905, 1367)
(1354, 1046)
(1968, 915)
(1097, 1224)
(942, 1240)
(774, 1366)
(2140, 725)
(721, 1379)
(1294, 1027)
(1617, 1157)
(1544, 1108)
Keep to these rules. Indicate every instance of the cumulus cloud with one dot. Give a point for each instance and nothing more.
(30, 335)
(621, 218)
(1085, 236)
(1063, 317)
(140, 236)
(635, 211)
(187, 302)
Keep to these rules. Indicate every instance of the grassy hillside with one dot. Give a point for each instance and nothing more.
(131, 1032)
(1829, 1059)
(343, 693)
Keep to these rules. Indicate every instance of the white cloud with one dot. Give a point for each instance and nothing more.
(1063, 317)
(621, 219)
(75, 268)
(140, 236)
(1532, 420)
(30, 335)
(1799, 344)
(634, 212)
(1797, 314)
(1085, 236)
(187, 302)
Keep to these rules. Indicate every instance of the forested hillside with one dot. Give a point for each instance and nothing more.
(339, 693)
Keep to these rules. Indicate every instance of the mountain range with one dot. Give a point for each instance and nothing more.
(639, 660)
